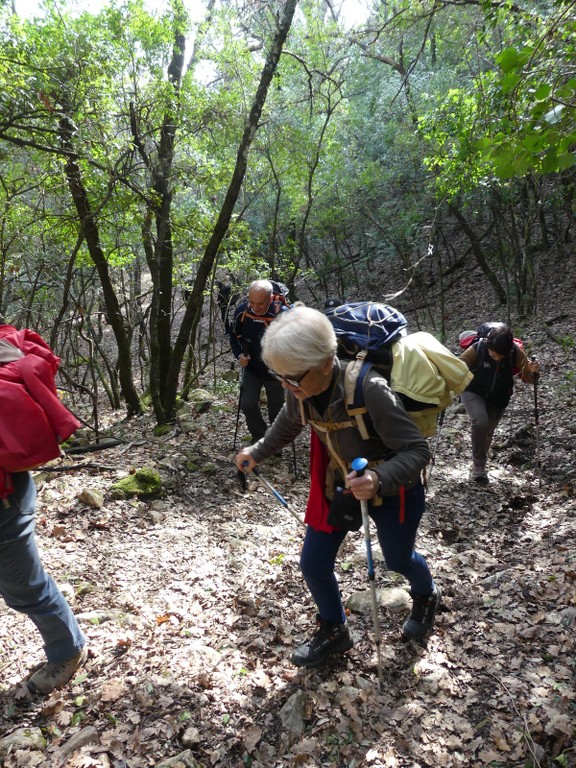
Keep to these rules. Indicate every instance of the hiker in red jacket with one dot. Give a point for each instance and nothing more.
(28, 399)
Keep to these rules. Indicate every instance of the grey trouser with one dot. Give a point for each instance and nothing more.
(250, 403)
(484, 419)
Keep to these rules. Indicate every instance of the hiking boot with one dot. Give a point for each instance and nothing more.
(328, 639)
(421, 619)
(478, 474)
(53, 675)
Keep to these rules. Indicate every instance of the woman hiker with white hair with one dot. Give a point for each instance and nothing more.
(299, 349)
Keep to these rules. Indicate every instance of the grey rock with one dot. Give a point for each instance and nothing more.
(23, 738)
(292, 713)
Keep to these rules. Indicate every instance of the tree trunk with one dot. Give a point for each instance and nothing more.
(479, 254)
(160, 251)
(89, 229)
(194, 304)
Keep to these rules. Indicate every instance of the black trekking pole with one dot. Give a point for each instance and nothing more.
(241, 383)
(537, 424)
(437, 441)
(359, 465)
(276, 495)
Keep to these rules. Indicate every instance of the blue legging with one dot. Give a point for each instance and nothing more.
(396, 539)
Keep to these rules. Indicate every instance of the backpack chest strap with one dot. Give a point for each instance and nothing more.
(336, 459)
(328, 428)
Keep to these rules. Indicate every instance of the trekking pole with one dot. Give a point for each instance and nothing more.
(359, 465)
(241, 476)
(294, 460)
(241, 382)
(276, 495)
(537, 425)
(437, 441)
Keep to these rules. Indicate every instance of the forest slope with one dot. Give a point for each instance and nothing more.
(192, 602)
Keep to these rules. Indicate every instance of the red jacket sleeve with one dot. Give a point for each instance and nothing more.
(33, 420)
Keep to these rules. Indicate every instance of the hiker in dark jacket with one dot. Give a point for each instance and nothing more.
(300, 348)
(251, 319)
(225, 299)
(24, 584)
(493, 361)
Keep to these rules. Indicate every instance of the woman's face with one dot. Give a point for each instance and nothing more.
(304, 384)
(496, 356)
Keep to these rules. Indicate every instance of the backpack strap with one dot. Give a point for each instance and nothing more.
(354, 376)
(258, 318)
(336, 460)
(326, 428)
(279, 301)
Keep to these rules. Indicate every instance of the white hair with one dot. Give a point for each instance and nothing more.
(297, 340)
(264, 286)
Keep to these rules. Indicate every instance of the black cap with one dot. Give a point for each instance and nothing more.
(332, 302)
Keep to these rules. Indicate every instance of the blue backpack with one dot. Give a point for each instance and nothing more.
(367, 334)
(367, 326)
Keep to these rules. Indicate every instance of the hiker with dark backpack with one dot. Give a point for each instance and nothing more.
(225, 300)
(251, 319)
(33, 422)
(494, 357)
(300, 350)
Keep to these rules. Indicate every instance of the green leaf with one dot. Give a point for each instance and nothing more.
(566, 160)
(542, 92)
(508, 59)
(550, 161)
(77, 717)
(534, 142)
(510, 81)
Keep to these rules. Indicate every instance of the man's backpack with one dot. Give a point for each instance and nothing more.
(33, 420)
(281, 293)
(423, 372)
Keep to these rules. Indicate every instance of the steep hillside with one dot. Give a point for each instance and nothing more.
(193, 602)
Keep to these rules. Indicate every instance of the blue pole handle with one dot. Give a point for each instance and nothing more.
(359, 465)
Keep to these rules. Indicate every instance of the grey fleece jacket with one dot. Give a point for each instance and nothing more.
(400, 451)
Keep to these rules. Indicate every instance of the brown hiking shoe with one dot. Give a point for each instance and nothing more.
(52, 676)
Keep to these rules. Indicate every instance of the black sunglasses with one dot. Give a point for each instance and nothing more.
(292, 382)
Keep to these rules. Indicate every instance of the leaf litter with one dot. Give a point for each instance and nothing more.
(192, 603)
